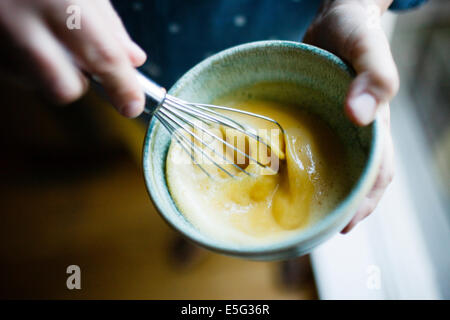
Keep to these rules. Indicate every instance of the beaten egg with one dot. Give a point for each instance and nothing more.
(307, 178)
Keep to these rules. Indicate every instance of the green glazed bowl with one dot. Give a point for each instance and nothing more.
(317, 81)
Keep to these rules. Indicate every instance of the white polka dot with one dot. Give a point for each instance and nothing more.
(240, 20)
(153, 69)
(137, 6)
(174, 28)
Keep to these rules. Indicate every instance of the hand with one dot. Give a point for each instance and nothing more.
(351, 29)
(40, 47)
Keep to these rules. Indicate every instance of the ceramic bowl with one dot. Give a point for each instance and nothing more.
(318, 82)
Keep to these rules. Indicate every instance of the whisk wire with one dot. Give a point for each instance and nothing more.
(191, 144)
(240, 128)
(201, 140)
(175, 113)
(181, 143)
(226, 143)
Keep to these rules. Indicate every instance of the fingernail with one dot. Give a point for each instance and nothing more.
(140, 54)
(132, 109)
(68, 90)
(364, 108)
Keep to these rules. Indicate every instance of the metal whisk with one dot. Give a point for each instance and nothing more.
(179, 116)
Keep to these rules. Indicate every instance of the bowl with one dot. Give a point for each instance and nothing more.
(317, 81)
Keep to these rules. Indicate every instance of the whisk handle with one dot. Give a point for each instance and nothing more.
(155, 94)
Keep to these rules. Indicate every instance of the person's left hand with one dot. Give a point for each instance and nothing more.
(351, 29)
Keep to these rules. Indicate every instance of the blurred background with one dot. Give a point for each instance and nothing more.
(72, 192)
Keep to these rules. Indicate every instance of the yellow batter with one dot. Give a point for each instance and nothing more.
(310, 181)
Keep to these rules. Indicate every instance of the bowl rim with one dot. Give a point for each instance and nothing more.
(322, 229)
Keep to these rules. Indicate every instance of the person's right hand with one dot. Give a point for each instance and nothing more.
(352, 30)
(39, 45)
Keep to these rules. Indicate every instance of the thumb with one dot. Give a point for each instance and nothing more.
(377, 78)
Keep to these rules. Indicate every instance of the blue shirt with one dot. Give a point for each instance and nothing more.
(177, 34)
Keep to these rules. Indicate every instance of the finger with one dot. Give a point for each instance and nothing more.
(98, 52)
(377, 78)
(363, 211)
(48, 60)
(384, 178)
(135, 53)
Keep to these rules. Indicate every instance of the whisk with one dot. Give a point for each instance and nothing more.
(179, 116)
